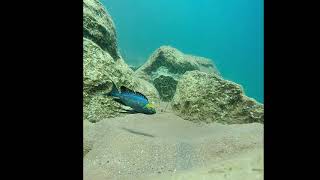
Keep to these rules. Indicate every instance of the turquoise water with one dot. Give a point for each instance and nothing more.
(228, 31)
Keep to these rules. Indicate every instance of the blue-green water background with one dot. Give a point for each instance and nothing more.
(228, 31)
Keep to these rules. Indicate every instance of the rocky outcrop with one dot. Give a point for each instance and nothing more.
(166, 86)
(203, 97)
(99, 71)
(167, 64)
(99, 27)
(134, 68)
(102, 65)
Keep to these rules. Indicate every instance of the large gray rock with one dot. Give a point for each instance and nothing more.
(209, 98)
(134, 68)
(99, 27)
(102, 65)
(99, 70)
(167, 64)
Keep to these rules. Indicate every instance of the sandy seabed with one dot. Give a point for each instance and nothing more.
(164, 146)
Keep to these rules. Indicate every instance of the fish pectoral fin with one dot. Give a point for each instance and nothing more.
(119, 101)
(131, 111)
(126, 108)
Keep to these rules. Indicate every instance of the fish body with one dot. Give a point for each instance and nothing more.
(137, 101)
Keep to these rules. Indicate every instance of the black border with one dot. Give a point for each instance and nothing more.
(42, 78)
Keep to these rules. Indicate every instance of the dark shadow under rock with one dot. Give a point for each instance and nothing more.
(166, 86)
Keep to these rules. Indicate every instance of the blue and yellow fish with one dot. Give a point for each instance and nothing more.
(137, 101)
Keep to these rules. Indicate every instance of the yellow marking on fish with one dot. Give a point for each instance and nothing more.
(149, 105)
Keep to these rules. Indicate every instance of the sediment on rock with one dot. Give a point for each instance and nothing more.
(167, 64)
(103, 65)
(203, 97)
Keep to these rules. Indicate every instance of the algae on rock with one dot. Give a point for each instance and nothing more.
(167, 64)
(209, 98)
(103, 64)
(166, 86)
(99, 27)
(134, 68)
(99, 71)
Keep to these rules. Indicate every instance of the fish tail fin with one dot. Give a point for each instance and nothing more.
(114, 91)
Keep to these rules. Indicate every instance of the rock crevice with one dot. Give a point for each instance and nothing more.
(167, 64)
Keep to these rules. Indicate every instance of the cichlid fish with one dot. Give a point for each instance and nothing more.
(137, 101)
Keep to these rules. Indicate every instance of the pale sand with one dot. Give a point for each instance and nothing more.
(164, 146)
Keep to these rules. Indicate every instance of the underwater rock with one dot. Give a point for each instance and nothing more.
(99, 27)
(148, 89)
(99, 70)
(134, 68)
(141, 145)
(102, 65)
(167, 64)
(203, 97)
(166, 87)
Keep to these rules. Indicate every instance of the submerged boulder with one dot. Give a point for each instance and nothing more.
(134, 68)
(99, 71)
(204, 97)
(102, 65)
(167, 64)
(166, 86)
(99, 27)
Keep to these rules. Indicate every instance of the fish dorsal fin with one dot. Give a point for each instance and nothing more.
(142, 95)
(125, 89)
